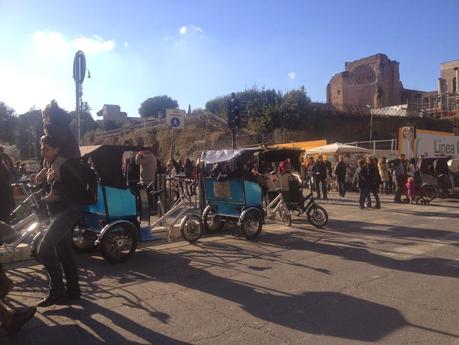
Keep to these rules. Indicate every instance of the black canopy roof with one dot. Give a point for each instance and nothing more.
(107, 160)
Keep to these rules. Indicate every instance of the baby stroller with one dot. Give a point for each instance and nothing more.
(425, 193)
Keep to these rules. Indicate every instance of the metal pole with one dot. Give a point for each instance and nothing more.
(78, 106)
(172, 142)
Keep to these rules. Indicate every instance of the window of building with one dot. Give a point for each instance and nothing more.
(339, 92)
(425, 102)
(454, 85)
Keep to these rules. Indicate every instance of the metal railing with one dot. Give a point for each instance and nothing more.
(389, 144)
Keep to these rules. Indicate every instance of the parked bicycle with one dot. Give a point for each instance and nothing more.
(278, 206)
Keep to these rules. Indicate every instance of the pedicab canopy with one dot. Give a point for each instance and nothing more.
(337, 148)
(107, 161)
(268, 154)
(219, 156)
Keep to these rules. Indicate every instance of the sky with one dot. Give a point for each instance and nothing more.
(194, 51)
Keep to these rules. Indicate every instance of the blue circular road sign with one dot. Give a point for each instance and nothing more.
(175, 122)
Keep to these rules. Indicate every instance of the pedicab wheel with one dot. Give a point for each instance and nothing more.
(251, 224)
(317, 216)
(285, 217)
(212, 222)
(83, 241)
(119, 242)
(191, 228)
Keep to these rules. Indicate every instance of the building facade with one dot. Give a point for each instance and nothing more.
(113, 113)
(374, 82)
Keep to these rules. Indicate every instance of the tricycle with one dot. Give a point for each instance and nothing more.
(121, 216)
(231, 193)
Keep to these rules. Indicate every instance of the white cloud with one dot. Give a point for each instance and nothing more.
(48, 44)
(93, 45)
(43, 70)
(53, 44)
(190, 29)
(126, 44)
(291, 75)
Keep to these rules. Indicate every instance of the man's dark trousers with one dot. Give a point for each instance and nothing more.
(56, 254)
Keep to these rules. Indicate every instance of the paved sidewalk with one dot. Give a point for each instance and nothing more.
(386, 276)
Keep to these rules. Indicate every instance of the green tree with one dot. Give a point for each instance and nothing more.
(8, 123)
(294, 108)
(30, 130)
(87, 122)
(154, 106)
(109, 125)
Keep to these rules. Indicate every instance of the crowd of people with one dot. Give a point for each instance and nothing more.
(370, 177)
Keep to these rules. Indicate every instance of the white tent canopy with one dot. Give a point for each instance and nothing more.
(337, 148)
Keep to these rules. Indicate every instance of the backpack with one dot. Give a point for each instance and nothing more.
(89, 183)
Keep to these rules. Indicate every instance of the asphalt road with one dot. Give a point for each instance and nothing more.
(386, 276)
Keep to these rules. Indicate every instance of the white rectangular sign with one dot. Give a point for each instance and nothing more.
(175, 118)
(429, 144)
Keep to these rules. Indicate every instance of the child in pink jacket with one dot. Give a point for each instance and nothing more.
(410, 190)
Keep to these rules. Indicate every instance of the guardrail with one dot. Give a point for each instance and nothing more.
(389, 144)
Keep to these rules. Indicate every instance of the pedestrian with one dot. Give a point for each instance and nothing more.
(384, 173)
(188, 168)
(56, 122)
(340, 173)
(170, 168)
(132, 169)
(320, 171)
(148, 168)
(375, 182)
(329, 174)
(309, 174)
(55, 249)
(148, 165)
(411, 190)
(362, 180)
(411, 168)
(400, 175)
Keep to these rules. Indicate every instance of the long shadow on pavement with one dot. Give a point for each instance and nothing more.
(423, 265)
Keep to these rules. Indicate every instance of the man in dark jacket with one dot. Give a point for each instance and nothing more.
(362, 180)
(340, 172)
(320, 171)
(55, 250)
(400, 168)
(375, 182)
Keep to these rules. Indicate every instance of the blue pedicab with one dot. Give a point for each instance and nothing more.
(231, 197)
(120, 218)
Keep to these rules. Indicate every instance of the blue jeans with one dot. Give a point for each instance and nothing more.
(55, 251)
